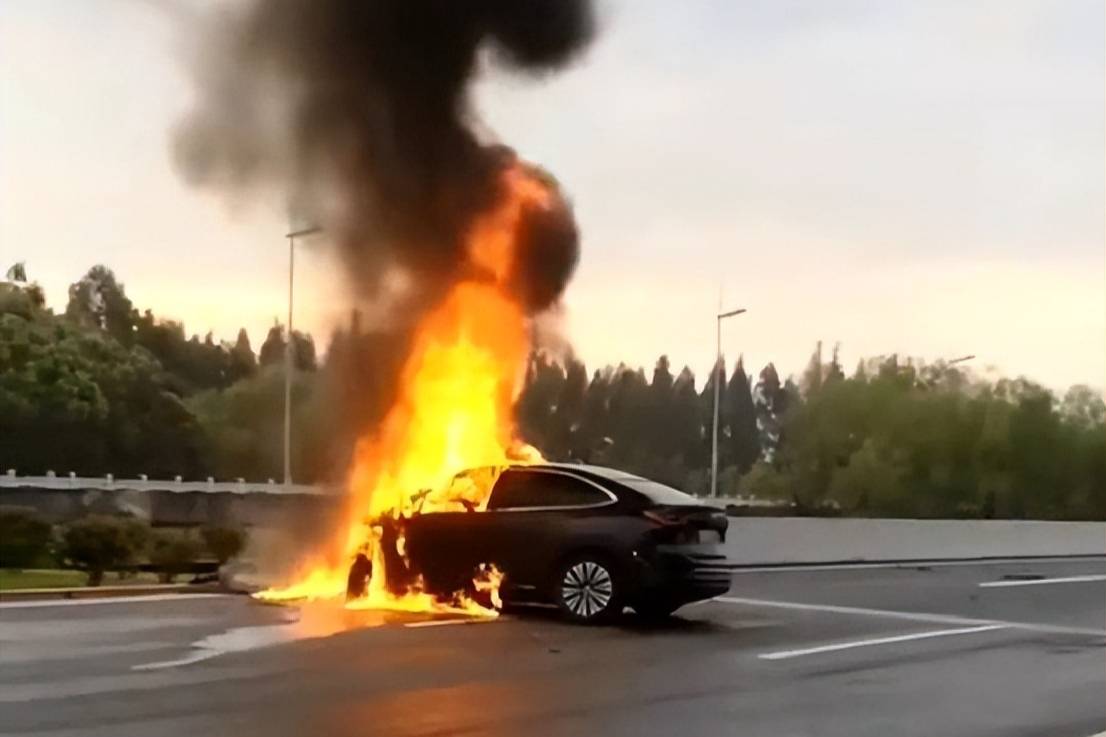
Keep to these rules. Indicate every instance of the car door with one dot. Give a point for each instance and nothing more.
(533, 513)
(446, 547)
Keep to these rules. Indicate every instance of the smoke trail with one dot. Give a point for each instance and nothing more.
(359, 111)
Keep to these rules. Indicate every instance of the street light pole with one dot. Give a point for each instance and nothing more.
(719, 376)
(289, 363)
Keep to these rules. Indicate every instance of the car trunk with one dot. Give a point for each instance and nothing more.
(686, 524)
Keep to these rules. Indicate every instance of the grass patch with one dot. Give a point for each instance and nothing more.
(54, 578)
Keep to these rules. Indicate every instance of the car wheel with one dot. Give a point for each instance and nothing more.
(588, 589)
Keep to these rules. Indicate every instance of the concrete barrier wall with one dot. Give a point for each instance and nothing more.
(750, 540)
(774, 540)
(162, 507)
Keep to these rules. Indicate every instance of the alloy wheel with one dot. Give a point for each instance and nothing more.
(587, 589)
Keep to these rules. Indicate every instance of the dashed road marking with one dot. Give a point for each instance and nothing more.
(785, 654)
(1040, 581)
(913, 616)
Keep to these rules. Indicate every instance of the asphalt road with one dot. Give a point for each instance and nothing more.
(972, 650)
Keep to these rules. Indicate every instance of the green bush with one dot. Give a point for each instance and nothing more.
(172, 552)
(97, 544)
(138, 534)
(223, 543)
(24, 537)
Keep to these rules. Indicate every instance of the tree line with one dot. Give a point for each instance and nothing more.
(102, 387)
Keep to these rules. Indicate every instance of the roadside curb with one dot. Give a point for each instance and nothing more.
(109, 592)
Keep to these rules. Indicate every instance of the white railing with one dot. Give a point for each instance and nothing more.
(51, 480)
(742, 501)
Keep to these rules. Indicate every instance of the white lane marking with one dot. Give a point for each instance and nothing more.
(188, 660)
(910, 565)
(1040, 581)
(889, 613)
(785, 654)
(41, 603)
(912, 616)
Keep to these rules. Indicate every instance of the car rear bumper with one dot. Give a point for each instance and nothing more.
(685, 573)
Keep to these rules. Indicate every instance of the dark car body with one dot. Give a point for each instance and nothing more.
(662, 547)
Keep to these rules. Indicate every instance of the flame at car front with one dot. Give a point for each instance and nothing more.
(454, 411)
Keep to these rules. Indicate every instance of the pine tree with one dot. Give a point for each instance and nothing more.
(743, 437)
(769, 398)
(272, 350)
(243, 363)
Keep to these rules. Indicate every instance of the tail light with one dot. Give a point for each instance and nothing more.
(663, 519)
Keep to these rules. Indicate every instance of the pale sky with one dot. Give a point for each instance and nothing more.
(915, 176)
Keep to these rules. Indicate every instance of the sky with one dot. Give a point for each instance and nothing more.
(921, 177)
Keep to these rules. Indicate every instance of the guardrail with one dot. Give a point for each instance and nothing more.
(10, 480)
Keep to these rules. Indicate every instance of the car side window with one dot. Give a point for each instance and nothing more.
(535, 489)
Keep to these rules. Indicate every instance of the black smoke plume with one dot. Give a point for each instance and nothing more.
(359, 112)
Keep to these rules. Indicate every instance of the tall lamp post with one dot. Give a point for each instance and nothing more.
(289, 350)
(719, 376)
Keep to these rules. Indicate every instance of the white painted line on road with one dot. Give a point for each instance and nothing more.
(1040, 581)
(785, 654)
(188, 660)
(890, 613)
(911, 616)
(911, 565)
(40, 603)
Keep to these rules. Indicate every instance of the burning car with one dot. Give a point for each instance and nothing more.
(588, 539)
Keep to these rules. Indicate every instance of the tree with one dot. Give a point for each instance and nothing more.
(76, 395)
(272, 350)
(303, 349)
(741, 420)
(98, 300)
(686, 426)
(173, 552)
(97, 544)
(595, 434)
(243, 363)
(871, 483)
(536, 408)
(812, 376)
(17, 272)
(570, 408)
(660, 443)
(765, 481)
(24, 537)
(769, 399)
(223, 543)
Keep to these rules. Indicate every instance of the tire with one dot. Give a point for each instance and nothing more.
(588, 589)
(656, 610)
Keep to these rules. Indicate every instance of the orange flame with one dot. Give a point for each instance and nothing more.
(454, 411)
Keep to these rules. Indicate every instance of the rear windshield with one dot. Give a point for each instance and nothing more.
(658, 493)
